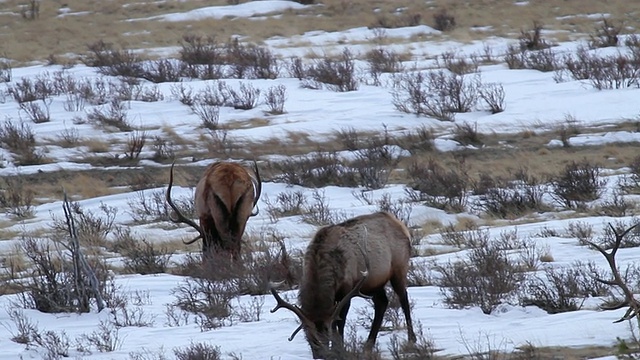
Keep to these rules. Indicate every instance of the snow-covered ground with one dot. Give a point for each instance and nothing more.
(534, 102)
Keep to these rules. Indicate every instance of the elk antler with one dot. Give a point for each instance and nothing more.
(282, 304)
(180, 218)
(257, 185)
(356, 289)
(630, 300)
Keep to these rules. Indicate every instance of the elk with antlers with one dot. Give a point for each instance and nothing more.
(333, 274)
(225, 197)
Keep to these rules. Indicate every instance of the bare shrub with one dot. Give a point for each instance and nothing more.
(209, 300)
(634, 175)
(579, 182)
(564, 289)
(544, 60)
(90, 228)
(16, 196)
(416, 141)
(467, 238)
(401, 209)
(486, 278)
(513, 199)
(151, 206)
(316, 170)
(135, 144)
(442, 187)
(140, 255)
(582, 231)
(567, 129)
(246, 97)
(115, 115)
(164, 70)
(614, 71)
(201, 50)
(493, 95)
(149, 94)
(615, 206)
(217, 94)
(297, 68)
(56, 345)
(515, 57)
(605, 35)
(183, 94)
(59, 282)
(26, 329)
(275, 98)
(382, 60)
(439, 94)
(251, 312)
(422, 349)
(209, 114)
(213, 284)
(112, 61)
(317, 211)
(375, 163)
(349, 138)
(198, 351)
(457, 65)
(69, 137)
(37, 111)
(28, 90)
(608, 238)
(20, 140)
(163, 149)
(5, 70)
(107, 338)
(444, 21)
(467, 134)
(337, 74)
(249, 61)
(532, 39)
(419, 274)
(285, 204)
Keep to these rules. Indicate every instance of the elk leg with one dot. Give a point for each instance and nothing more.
(340, 323)
(399, 285)
(380, 303)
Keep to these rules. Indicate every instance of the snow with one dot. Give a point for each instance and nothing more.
(534, 101)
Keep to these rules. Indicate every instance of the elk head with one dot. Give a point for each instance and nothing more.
(225, 198)
(333, 276)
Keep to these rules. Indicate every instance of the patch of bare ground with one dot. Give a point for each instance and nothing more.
(62, 28)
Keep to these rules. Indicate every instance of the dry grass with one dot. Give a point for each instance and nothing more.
(95, 145)
(51, 34)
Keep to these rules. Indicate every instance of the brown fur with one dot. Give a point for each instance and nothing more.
(224, 199)
(334, 263)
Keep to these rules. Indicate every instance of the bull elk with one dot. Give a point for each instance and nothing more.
(333, 274)
(225, 198)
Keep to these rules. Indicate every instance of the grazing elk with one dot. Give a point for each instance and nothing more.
(224, 200)
(333, 274)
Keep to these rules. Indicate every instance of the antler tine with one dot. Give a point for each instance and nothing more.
(630, 300)
(257, 184)
(282, 304)
(181, 218)
(356, 289)
(295, 332)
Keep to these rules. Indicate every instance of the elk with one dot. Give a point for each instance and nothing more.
(225, 198)
(333, 274)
